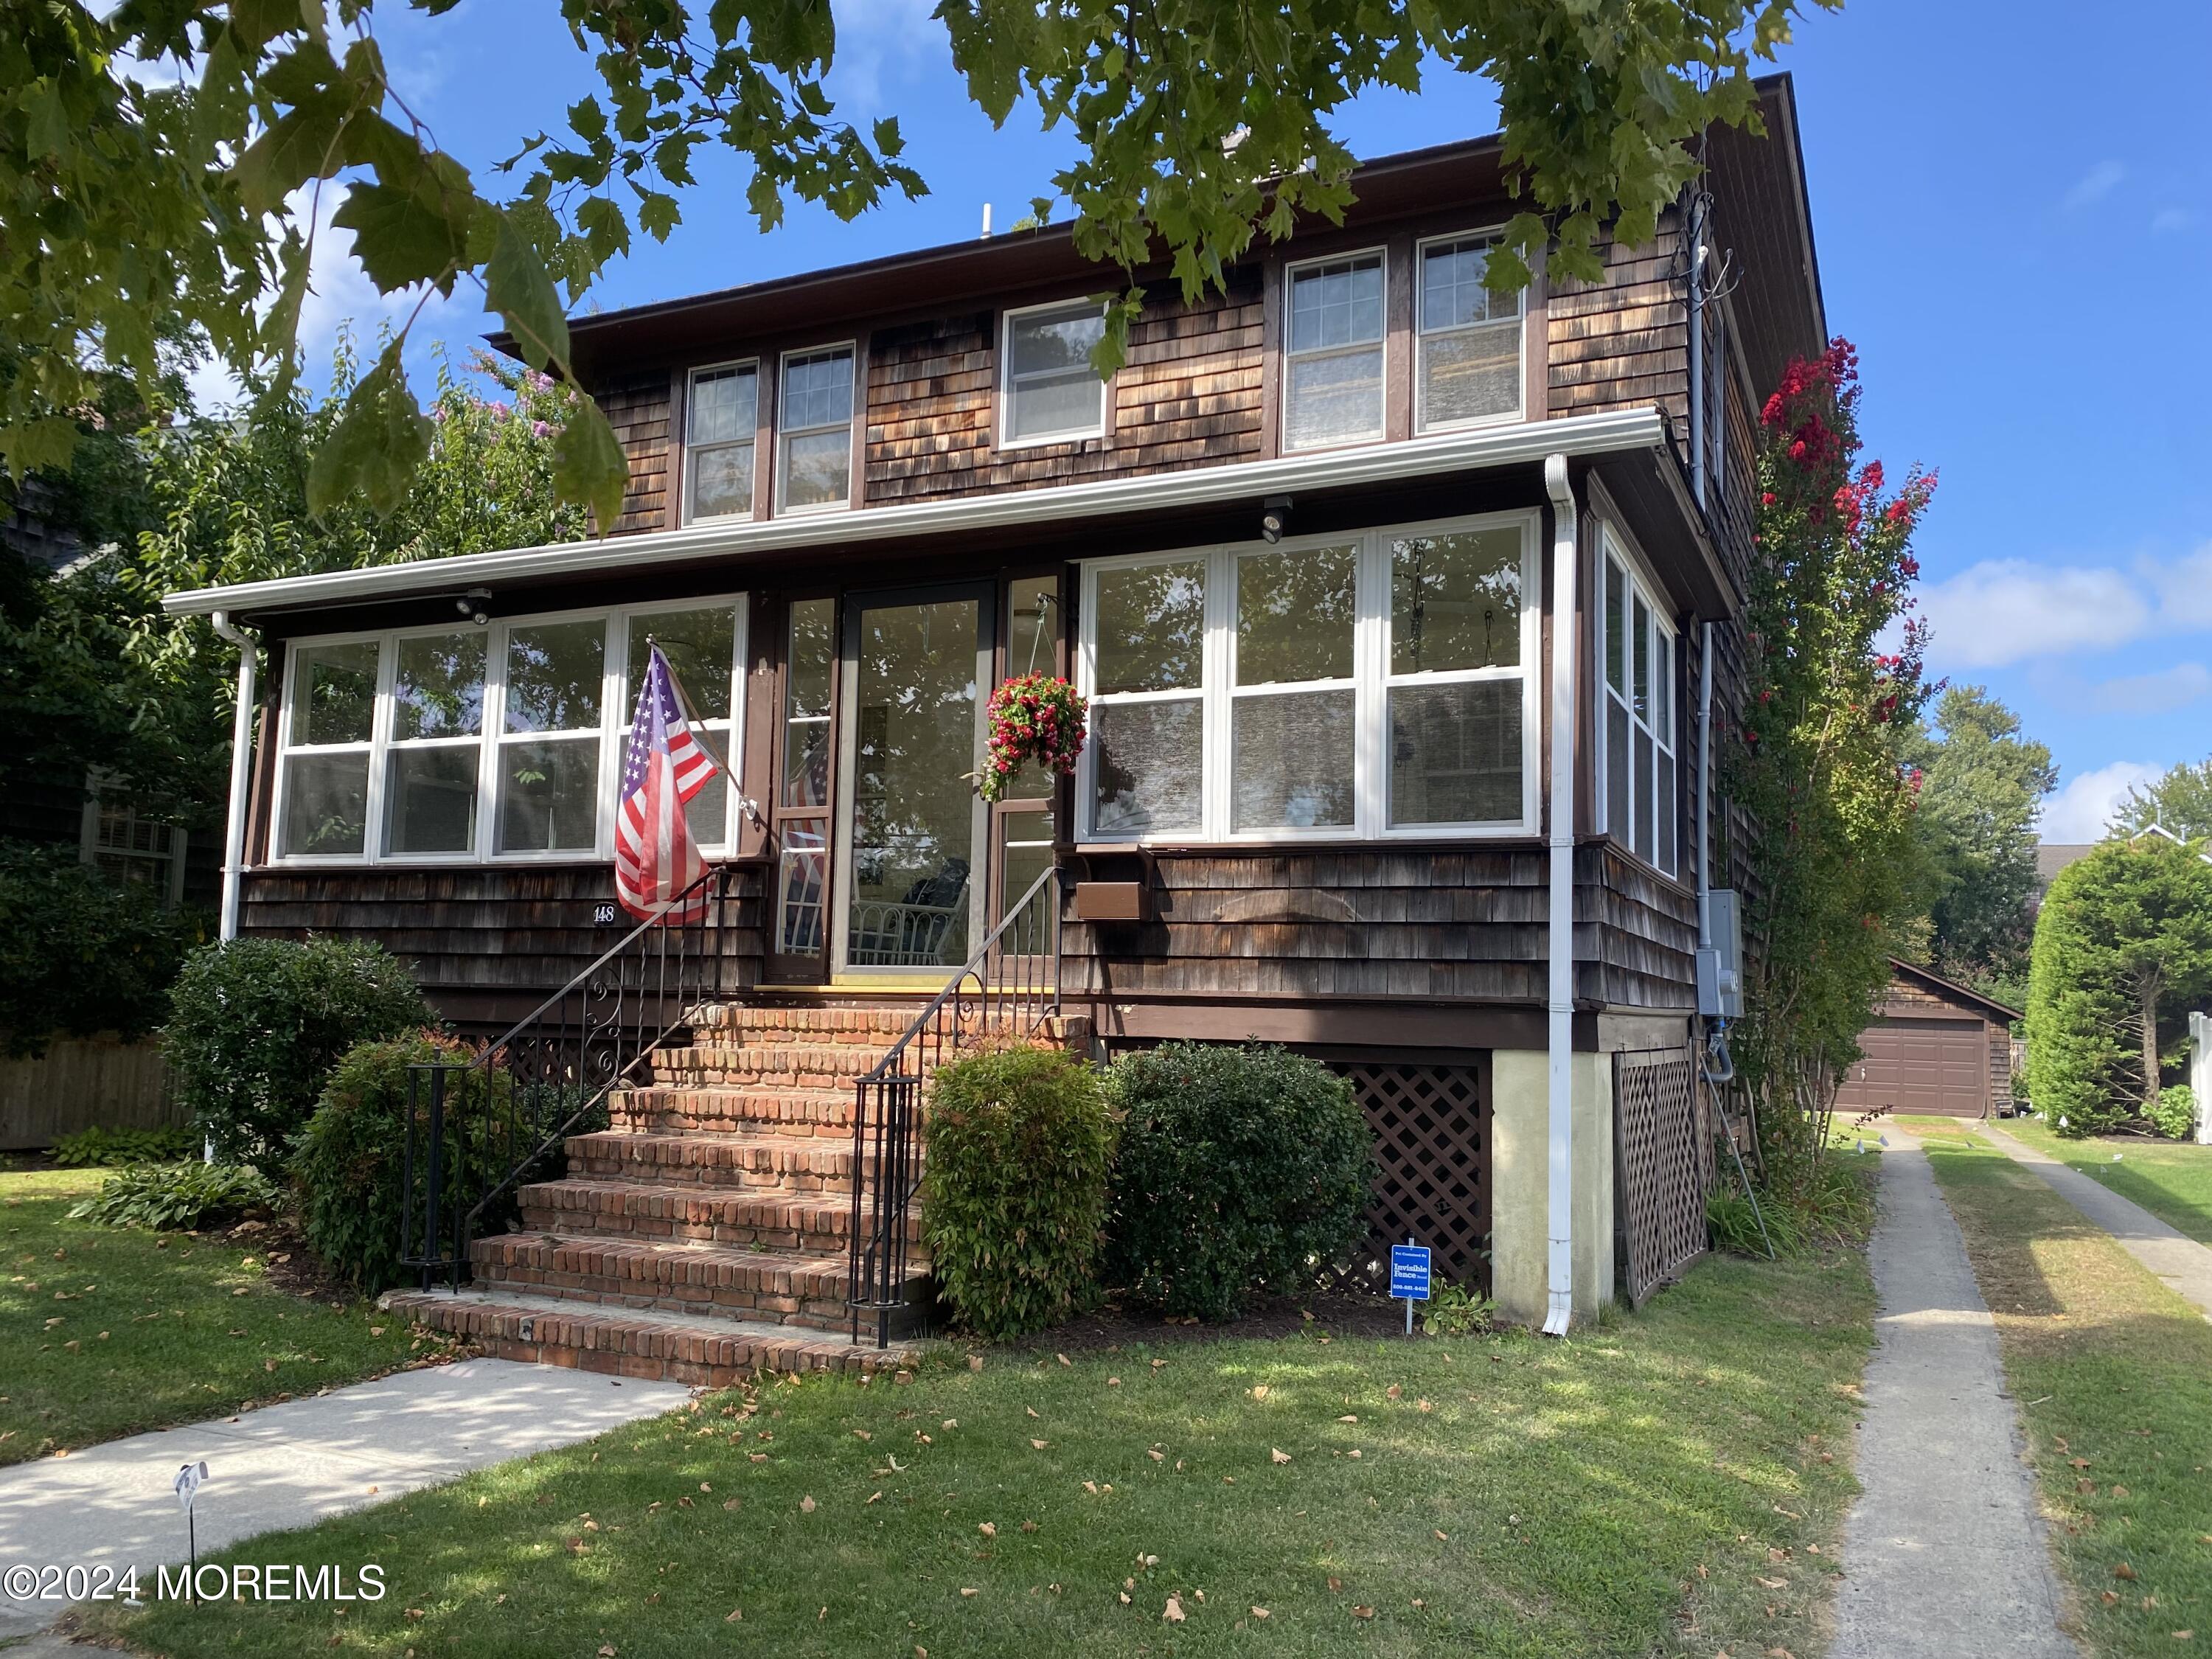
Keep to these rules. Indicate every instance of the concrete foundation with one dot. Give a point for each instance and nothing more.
(1520, 1175)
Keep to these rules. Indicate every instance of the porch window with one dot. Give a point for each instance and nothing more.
(1052, 393)
(1469, 344)
(466, 744)
(719, 420)
(1636, 771)
(1333, 357)
(329, 721)
(815, 431)
(1368, 686)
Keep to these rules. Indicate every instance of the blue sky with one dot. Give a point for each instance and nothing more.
(2013, 211)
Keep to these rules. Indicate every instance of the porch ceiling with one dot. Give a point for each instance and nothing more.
(1619, 433)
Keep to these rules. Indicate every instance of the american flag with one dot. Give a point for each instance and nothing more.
(656, 861)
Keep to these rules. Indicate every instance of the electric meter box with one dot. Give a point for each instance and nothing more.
(1720, 964)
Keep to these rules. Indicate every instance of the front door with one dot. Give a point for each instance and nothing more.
(911, 832)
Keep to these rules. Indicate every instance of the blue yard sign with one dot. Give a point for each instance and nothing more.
(1409, 1277)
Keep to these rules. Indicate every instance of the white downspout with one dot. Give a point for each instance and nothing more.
(1559, 817)
(242, 771)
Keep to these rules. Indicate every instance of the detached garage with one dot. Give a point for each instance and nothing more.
(1935, 1049)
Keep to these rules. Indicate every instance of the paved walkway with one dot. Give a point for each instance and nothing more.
(2184, 1265)
(297, 1463)
(1943, 1553)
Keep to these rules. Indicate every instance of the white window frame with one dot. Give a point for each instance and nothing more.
(1380, 346)
(1008, 388)
(613, 732)
(1615, 552)
(91, 845)
(1372, 681)
(1423, 334)
(785, 432)
(691, 450)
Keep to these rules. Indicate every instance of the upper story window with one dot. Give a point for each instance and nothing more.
(1637, 769)
(814, 436)
(133, 851)
(1363, 686)
(460, 744)
(1333, 354)
(1051, 393)
(1468, 367)
(719, 418)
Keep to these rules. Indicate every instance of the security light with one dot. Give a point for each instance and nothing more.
(1274, 519)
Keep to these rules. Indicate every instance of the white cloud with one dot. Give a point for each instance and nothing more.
(2183, 589)
(2095, 185)
(2158, 693)
(881, 41)
(2003, 611)
(2172, 219)
(2082, 808)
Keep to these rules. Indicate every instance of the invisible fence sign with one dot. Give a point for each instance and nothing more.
(1409, 1277)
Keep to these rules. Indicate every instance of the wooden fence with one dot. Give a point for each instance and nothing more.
(81, 1081)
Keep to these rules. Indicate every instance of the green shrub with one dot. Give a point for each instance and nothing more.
(1455, 1310)
(1014, 1191)
(257, 1024)
(2175, 1114)
(348, 1166)
(180, 1197)
(81, 954)
(99, 1148)
(1237, 1169)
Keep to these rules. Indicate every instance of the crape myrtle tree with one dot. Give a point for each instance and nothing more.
(2122, 951)
(1818, 760)
(153, 154)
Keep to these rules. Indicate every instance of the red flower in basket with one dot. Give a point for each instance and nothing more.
(1032, 717)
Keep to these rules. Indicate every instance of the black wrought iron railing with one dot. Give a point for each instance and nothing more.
(479, 1129)
(1006, 992)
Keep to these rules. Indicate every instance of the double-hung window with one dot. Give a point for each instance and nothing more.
(720, 418)
(1347, 687)
(504, 741)
(1638, 771)
(1051, 393)
(1333, 352)
(814, 431)
(1468, 368)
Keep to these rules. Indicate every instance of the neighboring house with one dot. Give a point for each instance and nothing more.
(1936, 1048)
(1328, 556)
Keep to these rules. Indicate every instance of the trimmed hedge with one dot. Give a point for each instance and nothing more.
(258, 1025)
(348, 1166)
(1237, 1169)
(1014, 1190)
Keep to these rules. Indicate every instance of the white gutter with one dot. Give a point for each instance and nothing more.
(241, 771)
(1559, 833)
(1618, 432)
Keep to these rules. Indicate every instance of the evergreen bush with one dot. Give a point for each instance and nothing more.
(2175, 1114)
(256, 1025)
(1014, 1192)
(348, 1167)
(1237, 1168)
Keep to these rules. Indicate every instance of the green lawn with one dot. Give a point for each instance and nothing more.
(1667, 1483)
(2172, 1179)
(2110, 1368)
(110, 1331)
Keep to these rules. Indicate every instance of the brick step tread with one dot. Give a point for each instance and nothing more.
(637, 1342)
(823, 1024)
(658, 1210)
(708, 1281)
(749, 1154)
(772, 1059)
(712, 1108)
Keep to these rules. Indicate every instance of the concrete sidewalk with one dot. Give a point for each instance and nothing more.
(1944, 1555)
(297, 1463)
(2179, 1261)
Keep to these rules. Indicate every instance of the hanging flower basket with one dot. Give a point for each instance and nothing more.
(1033, 717)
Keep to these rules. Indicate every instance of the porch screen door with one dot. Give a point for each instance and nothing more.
(911, 841)
(800, 947)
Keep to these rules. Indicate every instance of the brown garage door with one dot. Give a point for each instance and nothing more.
(1921, 1067)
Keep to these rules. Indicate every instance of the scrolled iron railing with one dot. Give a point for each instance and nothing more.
(478, 1129)
(1005, 992)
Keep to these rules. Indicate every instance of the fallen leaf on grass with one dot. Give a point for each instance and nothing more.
(1363, 1612)
(1029, 1526)
(987, 1529)
(1259, 1391)
(1064, 1360)
(1441, 1537)
(807, 1506)
(1393, 1392)
(2124, 1571)
(1040, 1444)
(1157, 1456)
(1261, 1613)
(1173, 1613)
(1278, 1455)
(1772, 1584)
(965, 1590)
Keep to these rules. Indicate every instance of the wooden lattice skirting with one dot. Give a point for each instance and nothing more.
(1664, 1150)
(1432, 1123)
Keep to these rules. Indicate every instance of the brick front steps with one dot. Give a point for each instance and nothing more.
(706, 1234)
